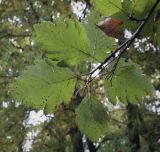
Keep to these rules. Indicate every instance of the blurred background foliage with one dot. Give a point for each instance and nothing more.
(59, 133)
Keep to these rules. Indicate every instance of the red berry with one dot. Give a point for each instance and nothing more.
(119, 150)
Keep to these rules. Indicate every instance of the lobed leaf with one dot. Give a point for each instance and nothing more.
(100, 43)
(157, 33)
(64, 40)
(91, 118)
(122, 10)
(128, 84)
(107, 7)
(44, 86)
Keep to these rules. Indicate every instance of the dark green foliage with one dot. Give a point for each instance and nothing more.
(100, 44)
(92, 118)
(57, 85)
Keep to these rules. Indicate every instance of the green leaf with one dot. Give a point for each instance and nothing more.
(91, 118)
(116, 123)
(137, 8)
(63, 40)
(100, 43)
(128, 84)
(141, 7)
(108, 7)
(127, 6)
(148, 29)
(128, 24)
(157, 33)
(132, 25)
(44, 86)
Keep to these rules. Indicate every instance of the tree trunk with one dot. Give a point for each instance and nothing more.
(133, 131)
(91, 146)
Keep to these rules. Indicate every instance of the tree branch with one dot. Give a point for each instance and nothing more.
(122, 48)
(8, 35)
(33, 10)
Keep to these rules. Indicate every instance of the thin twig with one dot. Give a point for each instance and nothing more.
(122, 48)
(8, 35)
(109, 57)
(33, 10)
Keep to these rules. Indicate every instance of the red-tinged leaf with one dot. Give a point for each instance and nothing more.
(112, 27)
